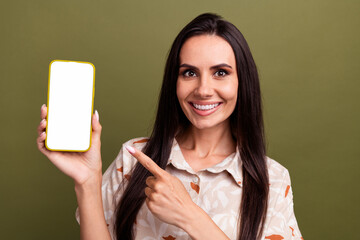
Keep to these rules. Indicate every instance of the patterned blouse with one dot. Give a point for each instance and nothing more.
(217, 190)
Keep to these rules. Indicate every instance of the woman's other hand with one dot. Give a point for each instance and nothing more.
(80, 166)
(167, 197)
(169, 201)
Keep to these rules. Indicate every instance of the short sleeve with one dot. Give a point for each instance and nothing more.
(282, 223)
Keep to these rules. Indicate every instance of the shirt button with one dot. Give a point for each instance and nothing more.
(195, 179)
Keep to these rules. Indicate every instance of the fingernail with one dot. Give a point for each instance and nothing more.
(130, 149)
(97, 115)
(42, 105)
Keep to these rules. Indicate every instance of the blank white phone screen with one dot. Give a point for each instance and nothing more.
(70, 103)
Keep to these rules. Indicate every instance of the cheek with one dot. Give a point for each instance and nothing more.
(181, 91)
(178, 91)
(229, 92)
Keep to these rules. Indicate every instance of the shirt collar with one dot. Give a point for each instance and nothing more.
(232, 164)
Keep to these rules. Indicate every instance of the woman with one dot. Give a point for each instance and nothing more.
(203, 172)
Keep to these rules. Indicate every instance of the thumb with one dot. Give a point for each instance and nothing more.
(96, 129)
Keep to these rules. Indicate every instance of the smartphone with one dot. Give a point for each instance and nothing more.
(71, 90)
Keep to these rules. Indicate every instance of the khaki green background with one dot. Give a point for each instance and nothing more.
(308, 57)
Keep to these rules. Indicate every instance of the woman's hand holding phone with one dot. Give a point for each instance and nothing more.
(83, 167)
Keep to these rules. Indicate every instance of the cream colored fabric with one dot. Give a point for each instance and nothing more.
(217, 190)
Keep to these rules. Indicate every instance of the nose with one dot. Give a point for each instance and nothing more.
(204, 88)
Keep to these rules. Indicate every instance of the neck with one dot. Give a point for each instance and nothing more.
(217, 140)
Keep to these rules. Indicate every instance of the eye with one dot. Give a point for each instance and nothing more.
(189, 73)
(221, 73)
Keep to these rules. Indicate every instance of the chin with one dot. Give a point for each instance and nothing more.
(204, 124)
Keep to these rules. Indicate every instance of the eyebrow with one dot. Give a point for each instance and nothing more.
(212, 67)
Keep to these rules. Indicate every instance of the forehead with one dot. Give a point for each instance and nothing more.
(207, 50)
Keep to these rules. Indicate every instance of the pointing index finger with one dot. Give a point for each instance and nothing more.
(147, 162)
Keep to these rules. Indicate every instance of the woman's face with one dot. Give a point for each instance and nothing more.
(207, 83)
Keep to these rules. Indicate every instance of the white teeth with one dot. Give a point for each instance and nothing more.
(205, 107)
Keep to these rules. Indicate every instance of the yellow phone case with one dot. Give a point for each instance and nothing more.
(70, 102)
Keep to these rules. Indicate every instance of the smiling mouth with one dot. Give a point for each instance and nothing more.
(205, 107)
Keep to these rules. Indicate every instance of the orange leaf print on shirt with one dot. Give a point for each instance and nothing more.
(127, 176)
(292, 231)
(195, 187)
(120, 169)
(274, 237)
(287, 190)
(141, 141)
(169, 238)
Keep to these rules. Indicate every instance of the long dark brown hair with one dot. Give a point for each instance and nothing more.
(246, 125)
